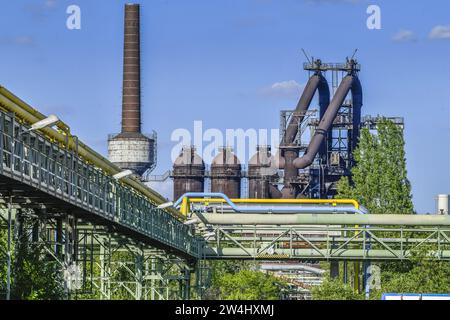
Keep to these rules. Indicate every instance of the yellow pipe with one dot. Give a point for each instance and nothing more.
(11, 103)
(184, 206)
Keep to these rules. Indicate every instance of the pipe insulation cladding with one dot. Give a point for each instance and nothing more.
(326, 219)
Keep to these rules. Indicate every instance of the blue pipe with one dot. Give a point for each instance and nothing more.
(274, 209)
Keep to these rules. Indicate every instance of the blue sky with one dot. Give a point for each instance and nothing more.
(217, 61)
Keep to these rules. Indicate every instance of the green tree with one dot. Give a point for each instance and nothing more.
(379, 179)
(34, 274)
(249, 285)
(334, 289)
(241, 280)
(3, 244)
(36, 277)
(379, 182)
(422, 274)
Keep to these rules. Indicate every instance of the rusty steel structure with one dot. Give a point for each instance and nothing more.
(188, 172)
(316, 148)
(131, 149)
(226, 173)
(334, 134)
(289, 149)
(261, 173)
(349, 83)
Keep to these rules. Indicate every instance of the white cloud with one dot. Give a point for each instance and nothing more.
(404, 36)
(283, 89)
(334, 1)
(440, 32)
(23, 40)
(40, 10)
(50, 3)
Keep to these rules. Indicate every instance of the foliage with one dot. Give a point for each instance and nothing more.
(379, 182)
(3, 243)
(35, 277)
(240, 280)
(379, 179)
(334, 289)
(34, 274)
(249, 285)
(422, 274)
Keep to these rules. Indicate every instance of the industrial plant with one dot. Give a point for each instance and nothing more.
(300, 169)
(107, 234)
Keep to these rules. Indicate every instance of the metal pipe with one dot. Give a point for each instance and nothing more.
(29, 115)
(354, 203)
(274, 209)
(315, 82)
(325, 123)
(274, 193)
(326, 219)
(275, 267)
(288, 155)
(319, 254)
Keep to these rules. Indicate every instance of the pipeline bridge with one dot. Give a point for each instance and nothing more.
(118, 238)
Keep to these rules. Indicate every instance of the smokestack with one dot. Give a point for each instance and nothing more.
(132, 150)
(131, 98)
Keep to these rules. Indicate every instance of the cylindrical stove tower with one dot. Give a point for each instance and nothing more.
(188, 173)
(260, 170)
(226, 174)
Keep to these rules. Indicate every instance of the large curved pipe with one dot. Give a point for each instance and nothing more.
(325, 123)
(274, 192)
(316, 82)
(272, 208)
(287, 156)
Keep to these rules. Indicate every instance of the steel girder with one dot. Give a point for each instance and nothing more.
(98, 262)
(325, 242)
(40, 173)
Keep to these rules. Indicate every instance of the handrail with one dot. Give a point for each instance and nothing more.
(11, 103)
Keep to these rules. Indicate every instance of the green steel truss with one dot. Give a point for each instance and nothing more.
(325, 242)
(98, 262)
